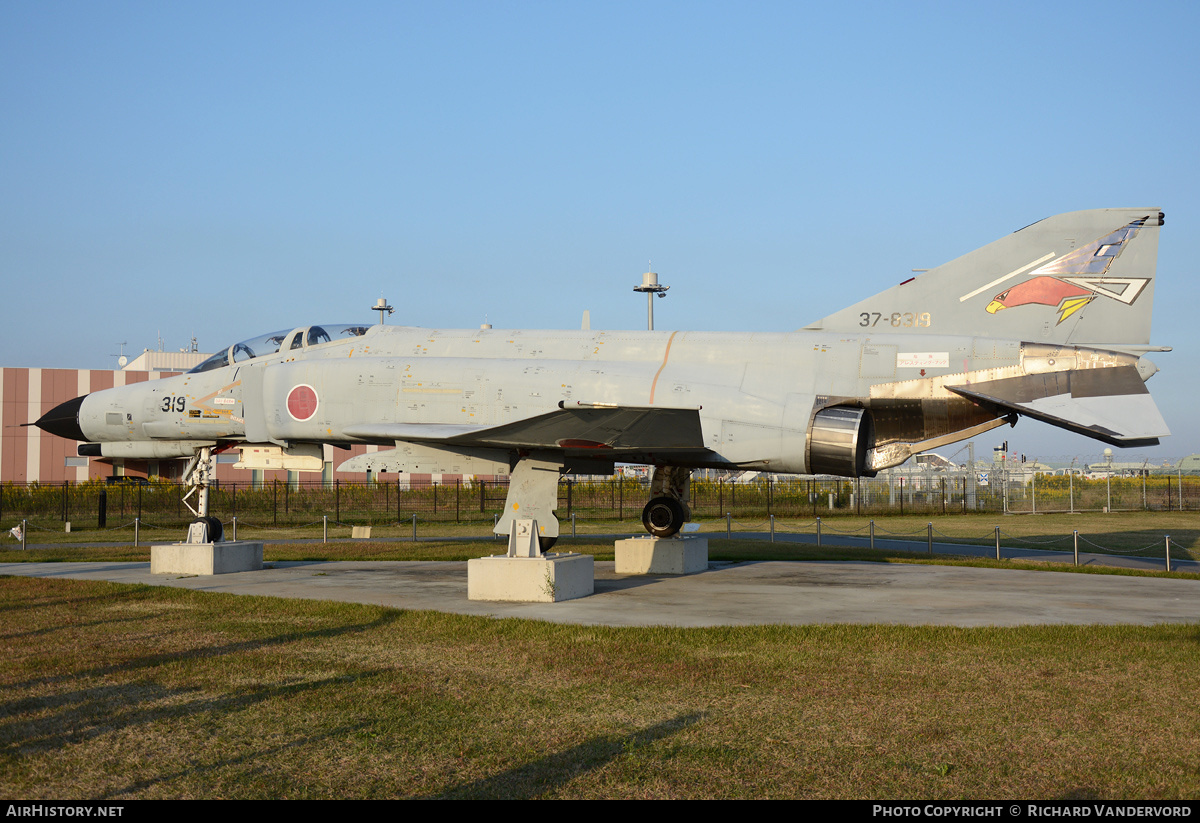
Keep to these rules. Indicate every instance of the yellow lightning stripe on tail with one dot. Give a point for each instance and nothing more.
(1072, 305)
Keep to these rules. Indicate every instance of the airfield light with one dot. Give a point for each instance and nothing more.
(650, 287)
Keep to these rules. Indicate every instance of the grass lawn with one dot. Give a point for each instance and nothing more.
(114, 691)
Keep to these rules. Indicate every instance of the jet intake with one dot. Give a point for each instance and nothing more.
(839, 440)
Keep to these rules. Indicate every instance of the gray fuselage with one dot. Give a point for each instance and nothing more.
(757, 393)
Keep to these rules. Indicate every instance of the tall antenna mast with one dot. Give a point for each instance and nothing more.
(651, 287)
(381, 306)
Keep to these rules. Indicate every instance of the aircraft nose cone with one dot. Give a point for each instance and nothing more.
(63, 420)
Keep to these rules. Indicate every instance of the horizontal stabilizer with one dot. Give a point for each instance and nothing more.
(642, 429)
(1111, 405)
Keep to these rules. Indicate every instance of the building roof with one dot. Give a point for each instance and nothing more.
(176, 361)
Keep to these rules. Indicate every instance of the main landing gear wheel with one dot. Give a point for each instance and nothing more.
(214, 528)
(663, 516)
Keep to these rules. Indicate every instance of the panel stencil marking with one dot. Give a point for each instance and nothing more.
(923, 360)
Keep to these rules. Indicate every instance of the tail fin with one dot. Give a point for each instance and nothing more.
(1081, 277)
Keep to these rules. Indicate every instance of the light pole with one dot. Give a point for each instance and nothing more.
(1071, 475)
(650, 287)
(381, 306)
(1108, 459)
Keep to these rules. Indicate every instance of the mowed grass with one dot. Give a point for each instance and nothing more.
(1118, 532)
(114, 692)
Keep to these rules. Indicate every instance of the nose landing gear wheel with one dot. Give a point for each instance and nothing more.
(663, 516)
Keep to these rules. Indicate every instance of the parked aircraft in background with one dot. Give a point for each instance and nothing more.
(1050, 322)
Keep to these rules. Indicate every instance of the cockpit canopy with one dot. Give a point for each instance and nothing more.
(273, 342)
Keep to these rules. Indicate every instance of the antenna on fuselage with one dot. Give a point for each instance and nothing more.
(381, 306)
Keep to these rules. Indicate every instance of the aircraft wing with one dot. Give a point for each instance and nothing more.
(581, 426)
(1111, 404)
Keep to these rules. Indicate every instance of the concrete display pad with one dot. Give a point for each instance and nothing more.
(547, 579)
(656, 555)
(728, 594)
(207, 558)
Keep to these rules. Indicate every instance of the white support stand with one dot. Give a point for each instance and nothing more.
(523, 542)
(658, 555)
(532, 495)
(207, 558)
(526, 575)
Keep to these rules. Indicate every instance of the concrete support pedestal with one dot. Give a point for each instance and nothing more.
(207, 558)
(655, 555)
(546, 579)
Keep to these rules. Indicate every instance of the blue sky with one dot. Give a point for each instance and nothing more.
(225, 169)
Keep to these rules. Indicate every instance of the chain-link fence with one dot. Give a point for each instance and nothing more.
(94, 504)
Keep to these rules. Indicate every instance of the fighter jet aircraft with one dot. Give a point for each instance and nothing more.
(1049, 322)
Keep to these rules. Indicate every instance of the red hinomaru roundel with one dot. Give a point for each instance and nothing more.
(302, 402)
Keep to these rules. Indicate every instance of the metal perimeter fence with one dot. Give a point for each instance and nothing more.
(1140, 544)
(277, 504)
